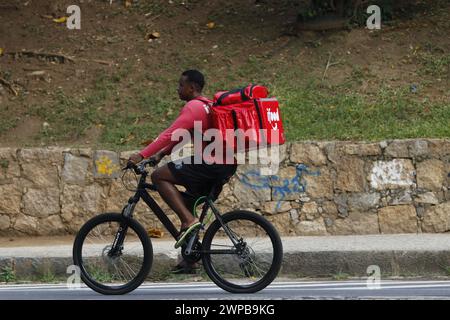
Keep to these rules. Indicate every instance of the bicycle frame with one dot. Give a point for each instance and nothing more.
(141, 193)
(220, 238)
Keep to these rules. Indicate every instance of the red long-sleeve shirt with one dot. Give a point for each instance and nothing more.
(193, 110)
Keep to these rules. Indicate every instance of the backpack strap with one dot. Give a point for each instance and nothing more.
(207, 103)
(241, 91)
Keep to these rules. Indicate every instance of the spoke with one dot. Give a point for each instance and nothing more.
(238, 271)
(252, 265)
(129, 268)
(120, 269)
(119, 272)
(258, 269)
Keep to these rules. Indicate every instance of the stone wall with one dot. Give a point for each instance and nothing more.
(321, 188)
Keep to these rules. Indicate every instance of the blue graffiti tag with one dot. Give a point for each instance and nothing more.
(280, 187)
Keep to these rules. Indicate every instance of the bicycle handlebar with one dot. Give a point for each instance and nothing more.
(140, 168)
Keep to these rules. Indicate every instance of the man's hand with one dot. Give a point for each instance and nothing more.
(157, 157)
(135, 158)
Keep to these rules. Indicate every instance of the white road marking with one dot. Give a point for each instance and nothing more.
(289, 286)
(387, 287)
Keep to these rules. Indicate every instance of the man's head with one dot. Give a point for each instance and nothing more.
(190, 85)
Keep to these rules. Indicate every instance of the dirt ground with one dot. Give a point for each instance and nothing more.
(217, 36)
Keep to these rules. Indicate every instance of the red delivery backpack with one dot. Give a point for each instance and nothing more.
(248, 110)
(250, 92)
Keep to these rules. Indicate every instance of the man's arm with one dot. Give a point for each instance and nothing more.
(164, 142)
(163, 145)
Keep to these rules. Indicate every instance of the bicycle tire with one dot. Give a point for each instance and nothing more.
(276, 244)
(146, 245)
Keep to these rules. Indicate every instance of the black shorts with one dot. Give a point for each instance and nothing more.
(198, 179)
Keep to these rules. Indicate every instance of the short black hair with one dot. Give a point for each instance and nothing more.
(195, 77)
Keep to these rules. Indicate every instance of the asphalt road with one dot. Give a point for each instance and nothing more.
(297, 290)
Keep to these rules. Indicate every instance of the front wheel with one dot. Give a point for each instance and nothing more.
(114, 253)
(244, 255)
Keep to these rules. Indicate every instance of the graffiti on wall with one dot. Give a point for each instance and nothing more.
(280, 187)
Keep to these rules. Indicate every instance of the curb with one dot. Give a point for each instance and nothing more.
(295, 264)
(408, 255)
(36, 268)
(357, 263)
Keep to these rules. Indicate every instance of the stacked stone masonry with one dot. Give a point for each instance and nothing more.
(321, 188)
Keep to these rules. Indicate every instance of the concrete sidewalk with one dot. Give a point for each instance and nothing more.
(325, 256)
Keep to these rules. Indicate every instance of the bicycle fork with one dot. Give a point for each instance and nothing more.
(117, 245)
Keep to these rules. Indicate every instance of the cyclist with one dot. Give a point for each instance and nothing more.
(197, 178)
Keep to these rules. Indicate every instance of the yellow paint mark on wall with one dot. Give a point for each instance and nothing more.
(105, 166)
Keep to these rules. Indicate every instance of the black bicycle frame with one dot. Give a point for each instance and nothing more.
(141, 193)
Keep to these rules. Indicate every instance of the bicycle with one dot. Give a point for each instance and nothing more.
(120, 254)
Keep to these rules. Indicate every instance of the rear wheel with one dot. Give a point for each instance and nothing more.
(244, 256)
(109, 265)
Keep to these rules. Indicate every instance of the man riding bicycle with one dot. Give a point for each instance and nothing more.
(197, 178)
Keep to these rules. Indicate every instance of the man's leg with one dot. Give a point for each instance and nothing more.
(165, 182)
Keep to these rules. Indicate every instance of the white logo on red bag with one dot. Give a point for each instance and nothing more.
(273, 117)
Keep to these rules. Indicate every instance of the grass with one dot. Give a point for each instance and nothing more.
(48, 277)
(435, 65)
(7, 274)
(128, 106)
(7, 120)
(312, 114)
(100, 275)
(340, 276)
(310, 109)
(4, 163)
(446, 269)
